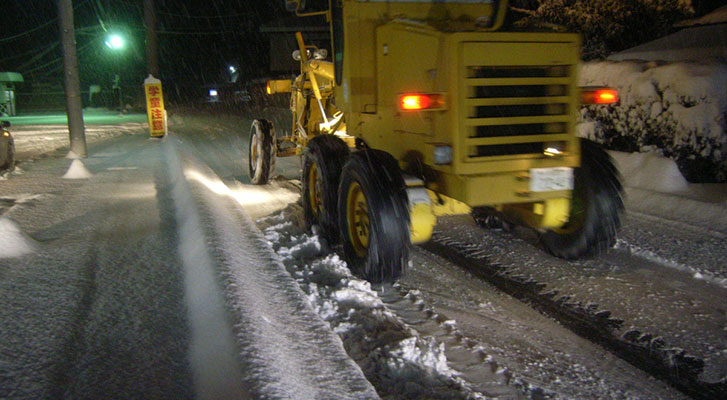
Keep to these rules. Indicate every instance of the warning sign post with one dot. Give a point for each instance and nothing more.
(155, 107)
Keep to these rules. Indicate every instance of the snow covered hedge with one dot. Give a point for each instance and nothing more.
(677, 109)
(606, 26)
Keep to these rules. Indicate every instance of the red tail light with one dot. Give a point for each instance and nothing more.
(599, 96)
(420, 101)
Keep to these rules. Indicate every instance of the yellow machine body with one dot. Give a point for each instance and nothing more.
(507, 102)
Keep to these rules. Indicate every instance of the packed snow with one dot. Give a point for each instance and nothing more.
(320, 295)
(32, 141)
(273, 325)
(395, 358)
(77, 171)
(15, 242)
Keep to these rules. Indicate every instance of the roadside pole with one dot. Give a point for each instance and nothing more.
(152, 43)
(71, 81)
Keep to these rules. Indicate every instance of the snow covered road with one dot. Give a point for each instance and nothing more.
(97, 309)
(143, 284)
(146, 264)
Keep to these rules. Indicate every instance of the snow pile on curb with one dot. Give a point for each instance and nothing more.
(15, 242)
(284, 348)
(679, 109)
(77, 171)
(655, 186)
(32, 141)
(398, 362)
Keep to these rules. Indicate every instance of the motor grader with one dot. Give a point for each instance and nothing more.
(427, 109)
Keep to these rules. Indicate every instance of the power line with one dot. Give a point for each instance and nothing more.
(218, 16)
(39, 27)
(27, 53)
(96, 8)
(38, 56)
(198, 33)
(171, 14)
(58, 59)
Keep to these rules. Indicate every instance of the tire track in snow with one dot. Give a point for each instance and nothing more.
(217, 375)
(644, 351)
(383, 327)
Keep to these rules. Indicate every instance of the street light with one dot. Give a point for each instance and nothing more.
(115, 42)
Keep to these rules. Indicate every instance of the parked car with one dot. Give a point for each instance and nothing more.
(7, 148)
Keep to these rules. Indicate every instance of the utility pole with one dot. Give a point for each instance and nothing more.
(71, 81)
(152, 44)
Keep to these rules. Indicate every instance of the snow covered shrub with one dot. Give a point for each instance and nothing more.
(607, 26)
(678, 109)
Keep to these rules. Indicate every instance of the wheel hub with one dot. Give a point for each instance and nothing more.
(253, 149)
(357, 214)
(315, 191)
(577, 215)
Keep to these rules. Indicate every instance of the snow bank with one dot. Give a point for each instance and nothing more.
(399, 362)
(285, 349)
(15, 242)
(678, 109)
(77, 170)
(32, 141)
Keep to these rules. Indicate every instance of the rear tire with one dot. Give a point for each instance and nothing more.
(373, 216)
(323, 160)
(261, 151)
(9, 164)
(595, 209)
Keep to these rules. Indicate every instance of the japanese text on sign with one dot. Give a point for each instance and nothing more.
(155, 106)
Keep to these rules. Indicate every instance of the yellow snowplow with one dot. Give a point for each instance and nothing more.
(427, 108)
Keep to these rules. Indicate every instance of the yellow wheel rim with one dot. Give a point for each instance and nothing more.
(253, 149)
(577, 217)
(314, 190)
(357, 216)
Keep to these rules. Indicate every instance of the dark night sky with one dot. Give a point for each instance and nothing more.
(197, 39)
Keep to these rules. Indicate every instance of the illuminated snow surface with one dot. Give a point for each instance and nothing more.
(313, 293)
(77, 171)
(15, 242)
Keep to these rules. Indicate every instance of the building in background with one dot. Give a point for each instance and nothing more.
(7, 92)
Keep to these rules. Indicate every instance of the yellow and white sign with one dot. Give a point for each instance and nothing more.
(155, 107)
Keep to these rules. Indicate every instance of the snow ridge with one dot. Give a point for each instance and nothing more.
(401, 363)
(212, 355)
(285, 349)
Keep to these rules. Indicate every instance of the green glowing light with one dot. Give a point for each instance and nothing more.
(115, 42)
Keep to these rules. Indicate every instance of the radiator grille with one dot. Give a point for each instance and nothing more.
(514, 110)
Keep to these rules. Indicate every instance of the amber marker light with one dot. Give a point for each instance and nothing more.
(268, 90)
(599, 96)
(420, 101)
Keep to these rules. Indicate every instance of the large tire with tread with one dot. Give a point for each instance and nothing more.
(595, 210)
(323, 160)
(9, 164)
(373, 216)
(261, 151)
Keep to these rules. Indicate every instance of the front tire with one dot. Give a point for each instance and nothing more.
(373, 216)
(595, 208)
(261, 151)
(323, 160)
